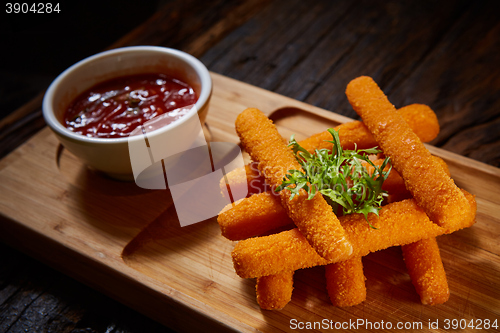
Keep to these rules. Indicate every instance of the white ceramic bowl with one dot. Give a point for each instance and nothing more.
(111, 155)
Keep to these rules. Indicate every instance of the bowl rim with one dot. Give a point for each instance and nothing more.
(197, 65)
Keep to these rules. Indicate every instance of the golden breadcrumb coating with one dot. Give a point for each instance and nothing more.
(354, 132)
(399, 223)
(426, 270)
(269, 255)
(263, 212)
(248, 177)
(345, 282)
(421, 119)
(314, 217)
(431, 187)
(274, 291)
(253, 216)
(394, 184)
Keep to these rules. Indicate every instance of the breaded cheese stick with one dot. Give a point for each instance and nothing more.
(394, 184)
(314, 218)
(263, 212)
(253, 216)
(422, 121)
(345, 282)
(434, 191)
(399, 223)
(274, 291)
(248, 177)
(426, 270)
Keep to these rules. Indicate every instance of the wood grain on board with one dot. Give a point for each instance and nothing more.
(81, 223)
(444, 54)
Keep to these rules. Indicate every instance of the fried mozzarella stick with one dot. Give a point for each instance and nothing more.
(274, 291)
(399, 223)
(345, 282)
(427, 274)
(314, 218)
(263, 212)
(431, 187)
(253, 216)
(248, 177)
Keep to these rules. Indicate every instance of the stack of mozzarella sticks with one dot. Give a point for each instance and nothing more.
(423, 202)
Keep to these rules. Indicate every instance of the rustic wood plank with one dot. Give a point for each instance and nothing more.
(230, 21)
(384, 44)
(245, 42)
(278, 57)
(266, 48)
(317, 64)
(46, 300)
(459, 79)
(193, 26)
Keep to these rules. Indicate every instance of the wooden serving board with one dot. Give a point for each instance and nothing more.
(126, 241)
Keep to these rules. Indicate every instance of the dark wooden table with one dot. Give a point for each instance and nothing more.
(444, 54)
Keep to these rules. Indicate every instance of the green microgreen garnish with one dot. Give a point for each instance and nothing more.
(339, 175)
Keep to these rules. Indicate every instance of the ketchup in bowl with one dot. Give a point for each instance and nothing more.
(114, 108)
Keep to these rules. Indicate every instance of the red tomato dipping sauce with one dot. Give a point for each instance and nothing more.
(114, 108)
